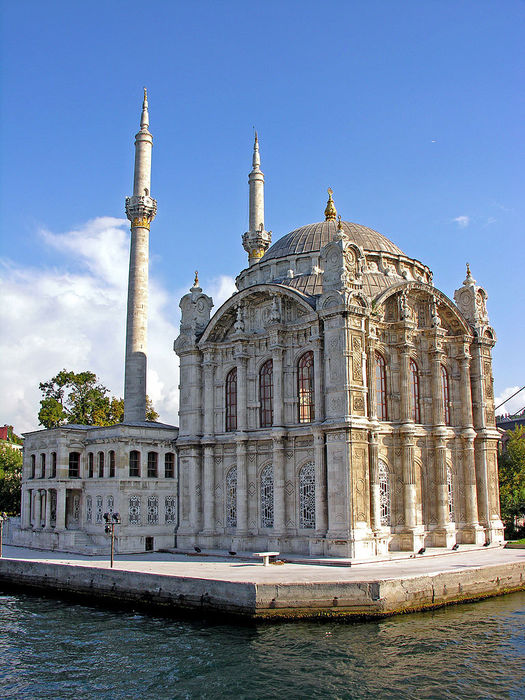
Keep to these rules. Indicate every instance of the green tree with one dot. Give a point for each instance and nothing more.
(80, 398)
(511, 465)
(10, 479)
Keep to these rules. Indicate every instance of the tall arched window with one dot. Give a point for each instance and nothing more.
(90, 465)
(384, 493)
(231, 498)
(134, 463)
(381, 407)
(307, 496)
(112, 463)
(266, 393)
(101, 465)
(53, 464)
(305, 387)
(446, 395)
(169, 465)
(231, 400)
(450, 491)
(33, 466)
(267, 496)
(42, 465)
(414, 393)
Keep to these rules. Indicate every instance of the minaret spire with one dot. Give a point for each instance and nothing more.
(256, 241)
(140, 210)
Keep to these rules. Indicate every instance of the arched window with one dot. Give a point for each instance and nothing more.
(450, 491)
(231, 497)
(134, 463)
(74, 465)
(90, 465)
(153, 465)
(305, 387)
(307, 496)
(169, 465)
(446, 395)
(33, 466)
(381, 407)
(53, 464)
(267, 496)
(42, 466)
(101, 465)
(112, 463)
(384, 493)
(414, 393)
(266, 393)
(231, 400)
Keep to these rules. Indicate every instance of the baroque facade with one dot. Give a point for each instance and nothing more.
(338, 404)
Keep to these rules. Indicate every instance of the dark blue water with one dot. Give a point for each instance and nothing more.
(53, 649)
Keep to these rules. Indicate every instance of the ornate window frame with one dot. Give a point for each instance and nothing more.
(230, 400)
(305, 388)
(307, 485)
(231, 497)
(267, 496)
(415, 393)
(266, 394)
(380, 386)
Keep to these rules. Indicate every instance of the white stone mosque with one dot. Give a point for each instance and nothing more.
(338, 404)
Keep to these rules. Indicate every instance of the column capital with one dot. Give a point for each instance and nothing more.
(141, 210)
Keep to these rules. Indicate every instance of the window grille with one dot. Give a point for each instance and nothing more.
(153, 510)
(231, 400)
(307, 496)
(231, 498)
(89, 509)
(450, 491)
(446, 395)
(381, 405)
(134, 463)
(110, 504)
(99, 509)
(384, 493)
(170, 509)
(305, 387)
(266, 394)
(169, 465)
(416, 411)
(267, 496)
(53, 507)
(153, 461)
(134, 510)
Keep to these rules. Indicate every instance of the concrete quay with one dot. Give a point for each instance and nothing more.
(177, 583)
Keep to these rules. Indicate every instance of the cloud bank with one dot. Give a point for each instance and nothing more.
(73, 316)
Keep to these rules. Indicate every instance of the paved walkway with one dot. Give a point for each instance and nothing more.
(434, 561)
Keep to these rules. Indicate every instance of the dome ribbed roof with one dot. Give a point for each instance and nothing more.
(313, 237)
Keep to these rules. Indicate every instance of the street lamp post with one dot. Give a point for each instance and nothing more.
(111, 520)
(3, 518)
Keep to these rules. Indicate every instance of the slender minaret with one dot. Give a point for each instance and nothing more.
(256, 240)
(140, 210)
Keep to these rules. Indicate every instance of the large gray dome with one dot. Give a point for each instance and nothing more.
(313, 237)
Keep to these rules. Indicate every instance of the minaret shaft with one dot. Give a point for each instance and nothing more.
(140, 210)
(256, 240)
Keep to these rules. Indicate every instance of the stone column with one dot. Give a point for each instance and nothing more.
(478, 395)
(318, 382)
(26, 508)
(375, 501)
(278, 483)
(61, 508)
(242, 401)
(277, 386)
(209, 488)
(440, 459)
(209, 394)
(242, 488)
(321, 515)
(438, 414)
(371, 376)
(405, 408)
(195, 490)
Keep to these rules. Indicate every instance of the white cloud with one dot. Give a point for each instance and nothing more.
(52, 318)
(513, 405)
(462, 221)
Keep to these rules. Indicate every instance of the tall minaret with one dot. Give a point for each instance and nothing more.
(256, 240)
(140, 210)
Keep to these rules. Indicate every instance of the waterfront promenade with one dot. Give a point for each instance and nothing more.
(245, 587)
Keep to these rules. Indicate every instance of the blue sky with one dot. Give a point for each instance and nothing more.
(410, 111)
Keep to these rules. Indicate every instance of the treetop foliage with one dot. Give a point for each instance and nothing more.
(80, 398)
(512, 477)
(11, 460)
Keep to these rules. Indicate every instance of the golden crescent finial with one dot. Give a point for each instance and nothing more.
(196, 281)
(330, 213)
